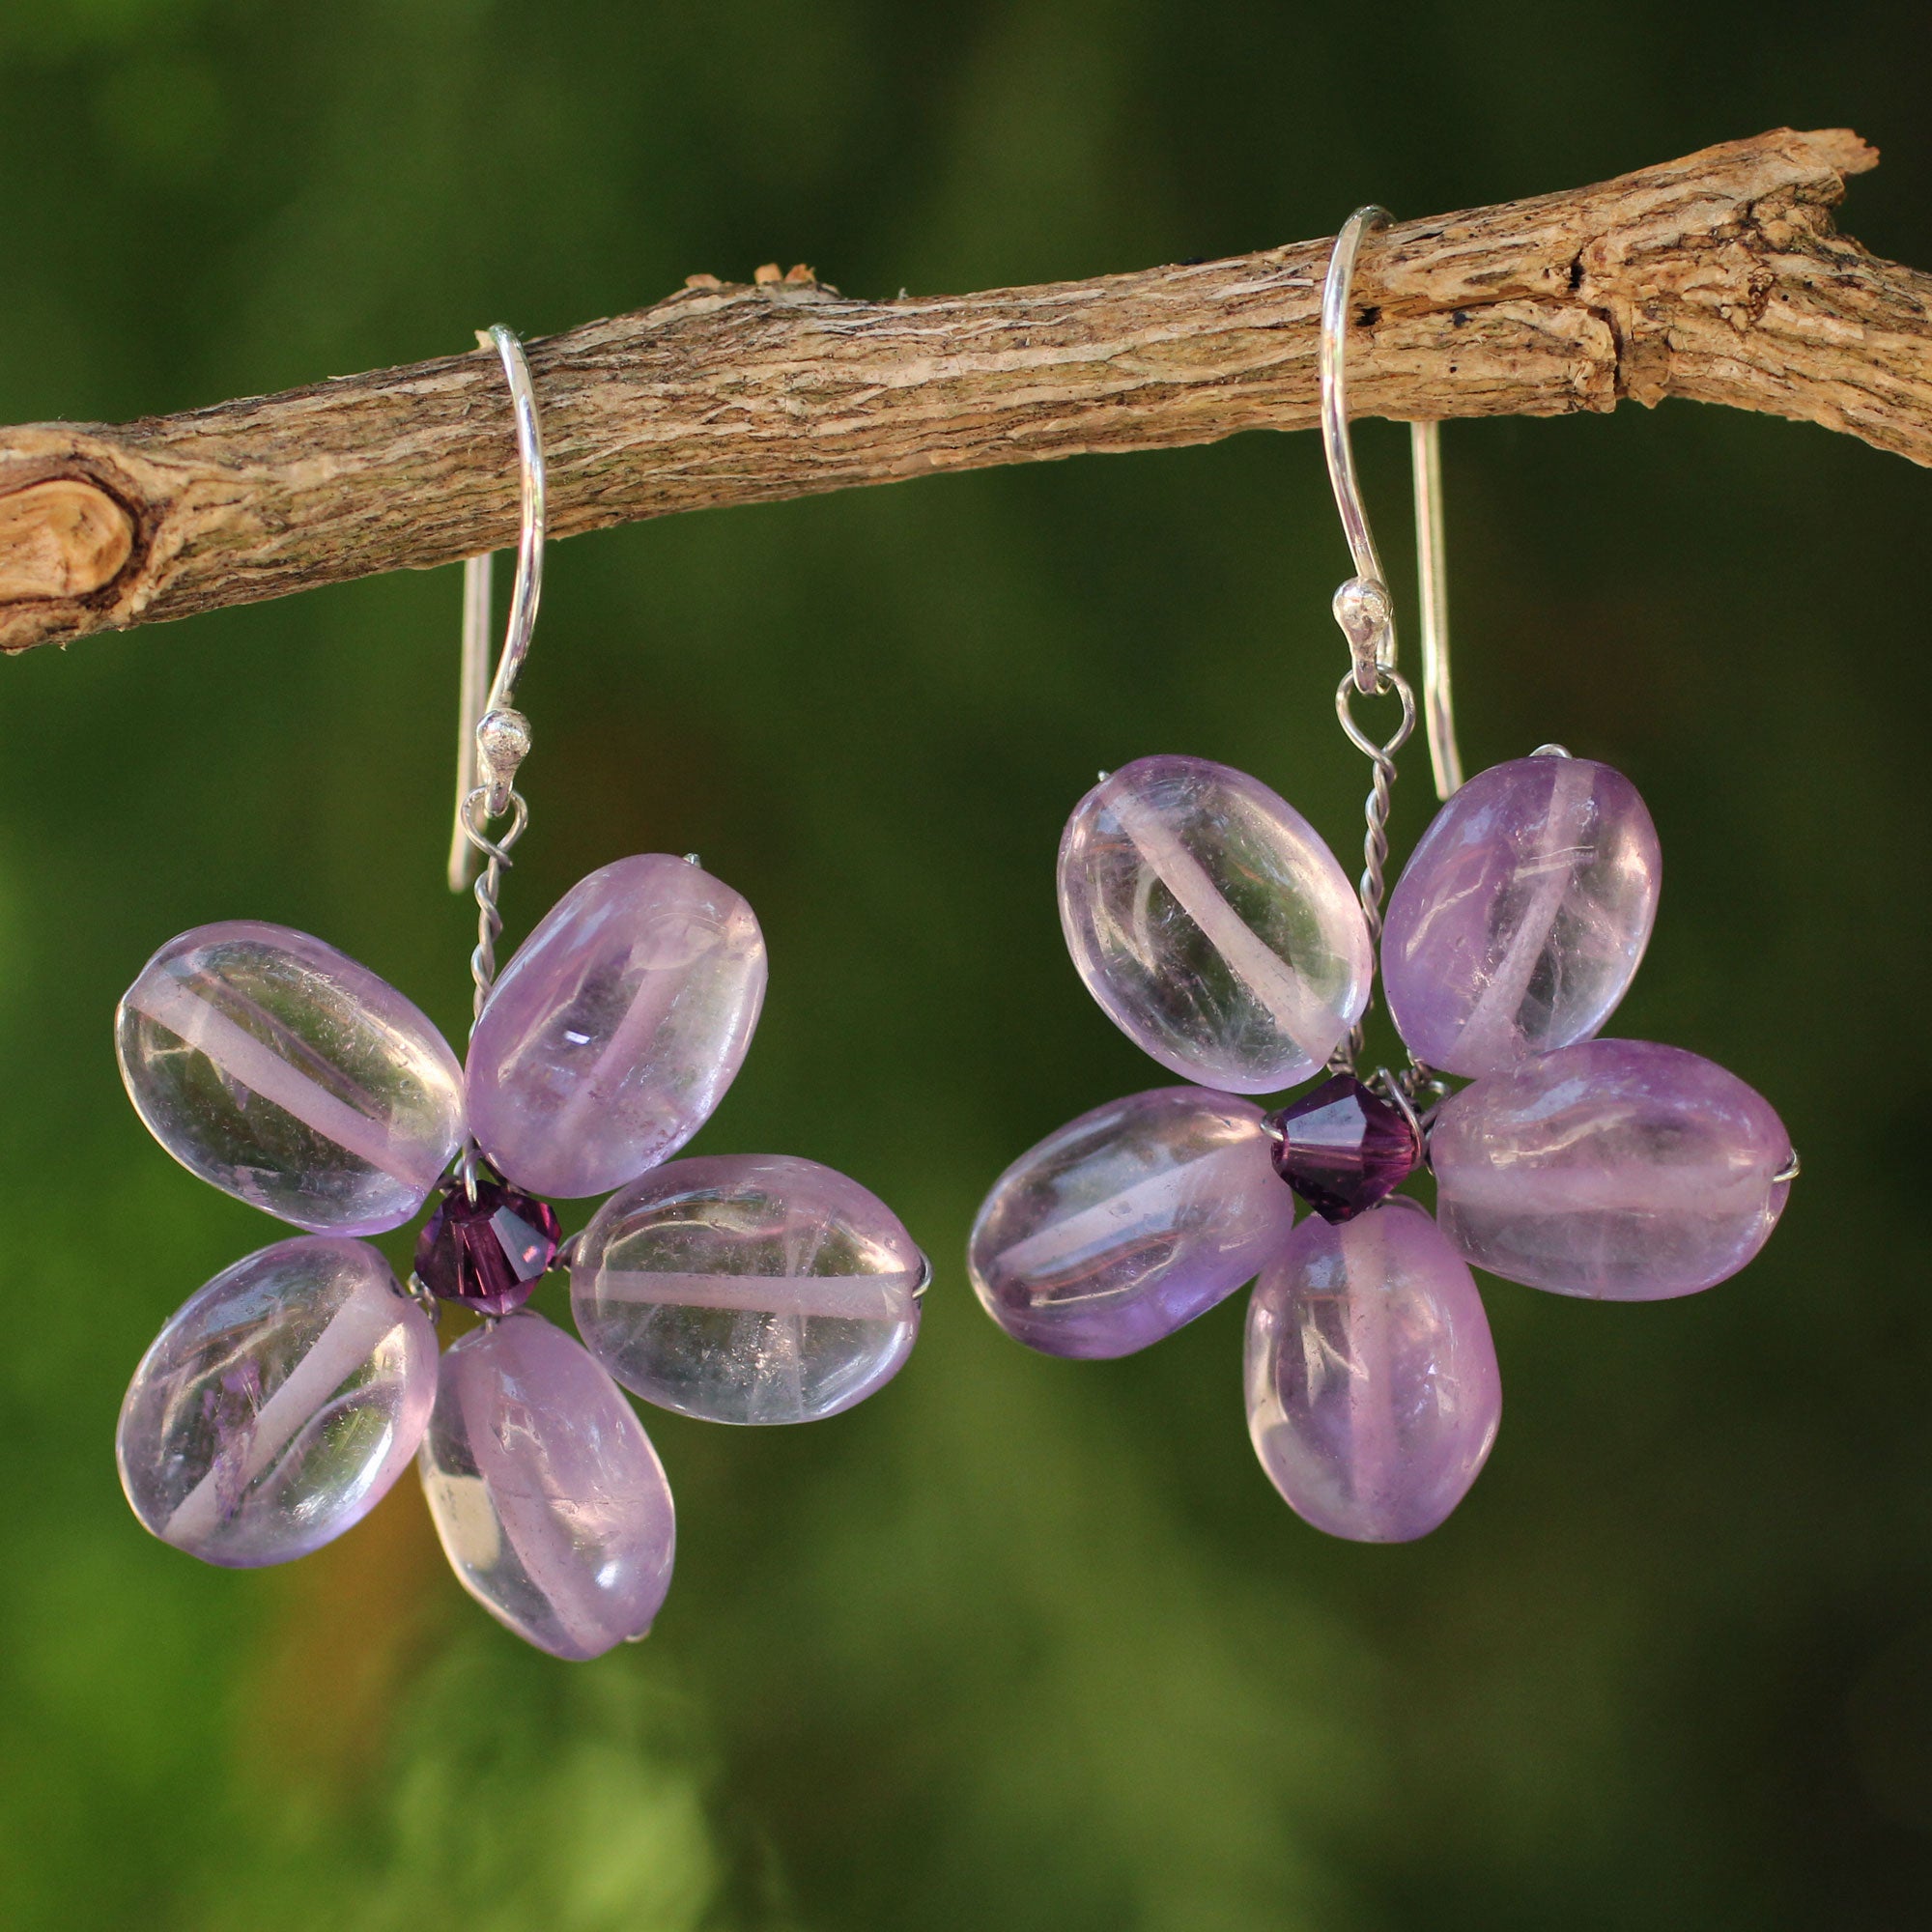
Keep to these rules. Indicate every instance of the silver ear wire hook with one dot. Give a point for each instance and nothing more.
(1438, 712)
(494, 737)
(1363, 607)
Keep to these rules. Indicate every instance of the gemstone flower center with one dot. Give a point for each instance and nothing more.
(1344, 1149)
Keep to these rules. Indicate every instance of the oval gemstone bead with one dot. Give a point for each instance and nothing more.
(1212, 925)
(1518, 923)
(278, 1406)
(1130, 1222)
(289, 1076)
(1616, 1169)
(748, 1287)
(1372, 1390)
(616, 1028)
(550, 1501)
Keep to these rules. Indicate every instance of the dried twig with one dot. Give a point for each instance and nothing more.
(1719, 278)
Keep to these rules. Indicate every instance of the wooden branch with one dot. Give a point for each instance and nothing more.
(1719, 278)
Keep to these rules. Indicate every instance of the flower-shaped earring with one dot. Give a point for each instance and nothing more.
(282, 1401)
(1217, 930)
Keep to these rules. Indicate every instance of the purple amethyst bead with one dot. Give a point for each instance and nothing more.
(1342, 1149)
(276, 1407)
(748, 1287)
(489, 1252)
(1212, 925)
(1518, 921)
(291, 1077)
(550, 1501)
(1616, 1169)
(1373, 1392)
(1130, 1222)
(616, 1028)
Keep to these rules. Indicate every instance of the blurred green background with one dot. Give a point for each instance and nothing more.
(1020, 1643)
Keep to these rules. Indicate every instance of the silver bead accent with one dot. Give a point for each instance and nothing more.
(1367, 618)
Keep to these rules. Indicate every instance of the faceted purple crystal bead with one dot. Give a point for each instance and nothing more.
(1342, 1149)
(1517, 925)
(1372, 1390)
(550, 1501)
(1130, 1222)
(276, 1407)
(616, 1028)
(1617, 1169)
(1212, 925)
(289, 1076)
(748, 1287)
(489, 1252)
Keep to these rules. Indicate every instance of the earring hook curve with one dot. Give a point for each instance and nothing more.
(1363, 607)
(493, 736)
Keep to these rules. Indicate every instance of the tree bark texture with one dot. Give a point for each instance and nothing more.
(1720, 277)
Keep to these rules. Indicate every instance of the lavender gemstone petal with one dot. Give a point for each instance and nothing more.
(750, 1288)
(1372, 1390)
(1518, 923)
(1130, 1222)
(616, 1028)
(278, 1406)
(289, 1076)
(550, 1501)
(1616, 1169)
(1212, 925)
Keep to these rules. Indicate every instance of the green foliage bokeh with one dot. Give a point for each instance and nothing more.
(1020, 1643)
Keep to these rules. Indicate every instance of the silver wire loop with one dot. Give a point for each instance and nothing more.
(418, 1290)
(1392, 681)
(1789, 1172)
(1396, 1093)
(495, 737)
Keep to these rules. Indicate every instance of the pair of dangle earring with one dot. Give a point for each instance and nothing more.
(1216, 929)
(283, 1399)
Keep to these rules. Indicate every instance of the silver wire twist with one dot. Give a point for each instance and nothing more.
(1375, 814)
(488, 884)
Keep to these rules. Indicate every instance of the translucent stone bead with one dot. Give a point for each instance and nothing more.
(550, 1501)
(1616, 1169)
(278, 1406)
(1208, 919)
(748, 1287)
(616, 1028)
(1130, 1222)
(289, 1076)
(1373, 1391)
(1518, 924)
